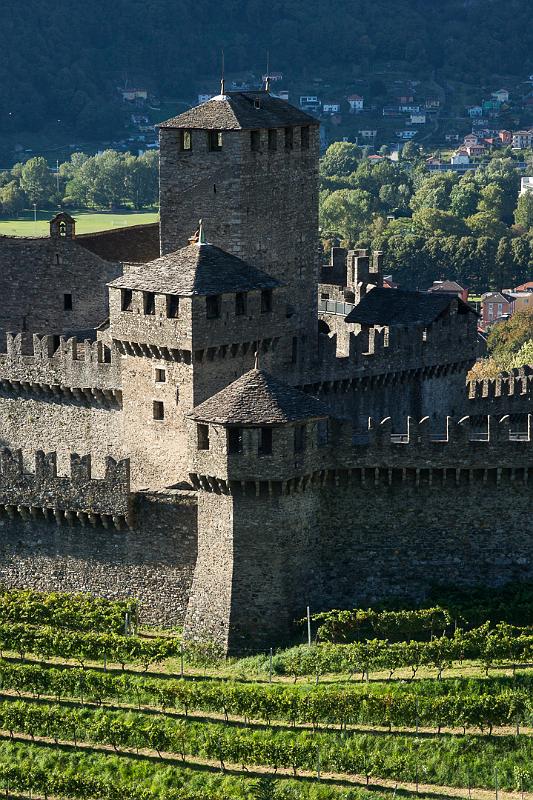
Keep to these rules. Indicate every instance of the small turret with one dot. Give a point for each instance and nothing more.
(62, 226)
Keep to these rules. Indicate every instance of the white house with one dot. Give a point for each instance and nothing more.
(310, 102)
(367, 134)
(274, 77)
(356, 103)
(460, 157)
(475, 111)
(502, 95)
(331, 107)
(417, 119)
(522, 139)
(526, 185)
(283, 94)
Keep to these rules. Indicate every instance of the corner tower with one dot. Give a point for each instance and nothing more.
(247, 163)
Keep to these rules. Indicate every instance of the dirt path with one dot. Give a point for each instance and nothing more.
(335, 779)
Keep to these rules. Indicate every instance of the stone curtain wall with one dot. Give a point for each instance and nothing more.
(153, 562)
(37, 273)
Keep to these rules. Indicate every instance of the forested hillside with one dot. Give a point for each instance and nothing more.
(60, 63)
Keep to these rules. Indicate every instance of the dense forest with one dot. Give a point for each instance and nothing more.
(60, 63)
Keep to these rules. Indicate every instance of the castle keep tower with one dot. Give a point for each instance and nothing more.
(247, 163)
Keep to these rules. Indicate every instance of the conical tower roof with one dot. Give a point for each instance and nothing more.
(257, 398)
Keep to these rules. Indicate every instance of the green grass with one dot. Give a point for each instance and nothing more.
(87, 222)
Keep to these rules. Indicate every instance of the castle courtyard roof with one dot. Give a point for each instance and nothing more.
(198, 269)
(241, 111)
(257, 398)
(400, 307)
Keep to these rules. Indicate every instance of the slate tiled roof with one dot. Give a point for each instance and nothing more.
(446, 286)
(257, 398)
(199, 269)
(238, 111)
(400, 307)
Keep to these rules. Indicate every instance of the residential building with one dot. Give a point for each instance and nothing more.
(356, 103)
(460, 157)
(502, 95)
(273, 77)
(522, 139)
(134, 95)
(495, 305)
(526, 185)
(310, 102)
(451, 288)
(417, 119)
(474, 111)
(331, 107)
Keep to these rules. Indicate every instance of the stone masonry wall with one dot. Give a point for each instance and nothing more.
(37, 273)
(153, 562)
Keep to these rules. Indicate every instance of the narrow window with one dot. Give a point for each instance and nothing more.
(173, 306)
(159, 410)
(126, 298)
(272, 139)
(67, 302)
(234, 440)
(149, 303)
(203, 437)
(299, 439)
(160, 375)
(255, 141)
(265, 442)
(240, 304)
(322, 432)
(266, 301)
(294, 352)
(304, 140)
(212, 306)
(288, 139)
(58, 260)
(106, 355)
(185, 140)
(214, 140)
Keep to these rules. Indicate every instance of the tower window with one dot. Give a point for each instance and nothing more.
(294, 351)
(240, 304)
(266, 301)
(212, 306)
(185, 140)
(255, 141)
(159, 410)
(67, 302)
(149, 303)
(214, 140)
(265, 442)
(272, 139)
(289, 139)
(126, 298)
(203, 437)
(322, 432)
(299, 439)
(304, 137)
(234, 440)
(173, 306)
(160, 375)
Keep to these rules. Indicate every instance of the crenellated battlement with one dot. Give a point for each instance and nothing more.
(86, 371)
(77, 498)
(511, 392)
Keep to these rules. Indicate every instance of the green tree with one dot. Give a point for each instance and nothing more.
(435, 192)
(506, 339)
(523, 215)
(12, 199)
(433, 222)
(492, 200)
(464, 198)
(485, 224)
(341, 158)
(37, 182)
(347, 212)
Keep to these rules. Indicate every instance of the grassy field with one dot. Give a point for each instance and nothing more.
(87, 222)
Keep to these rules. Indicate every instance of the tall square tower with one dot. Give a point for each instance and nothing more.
(247, 164)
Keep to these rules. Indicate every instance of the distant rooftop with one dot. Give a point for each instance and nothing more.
(257, 398)
(241, 111)
(199, 269)
(400, 307)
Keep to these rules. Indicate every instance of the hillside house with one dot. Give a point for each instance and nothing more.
(417, 119)
(355, 102)
(449, 287)
(522, 139)
(474, 111)
(331, 107)
(501, 95)
(526, 185)
(495, 305)
(310, 102)
(138, 96)
(460, 157)
(274, 77)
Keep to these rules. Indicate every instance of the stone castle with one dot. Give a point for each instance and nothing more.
(205, 417)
